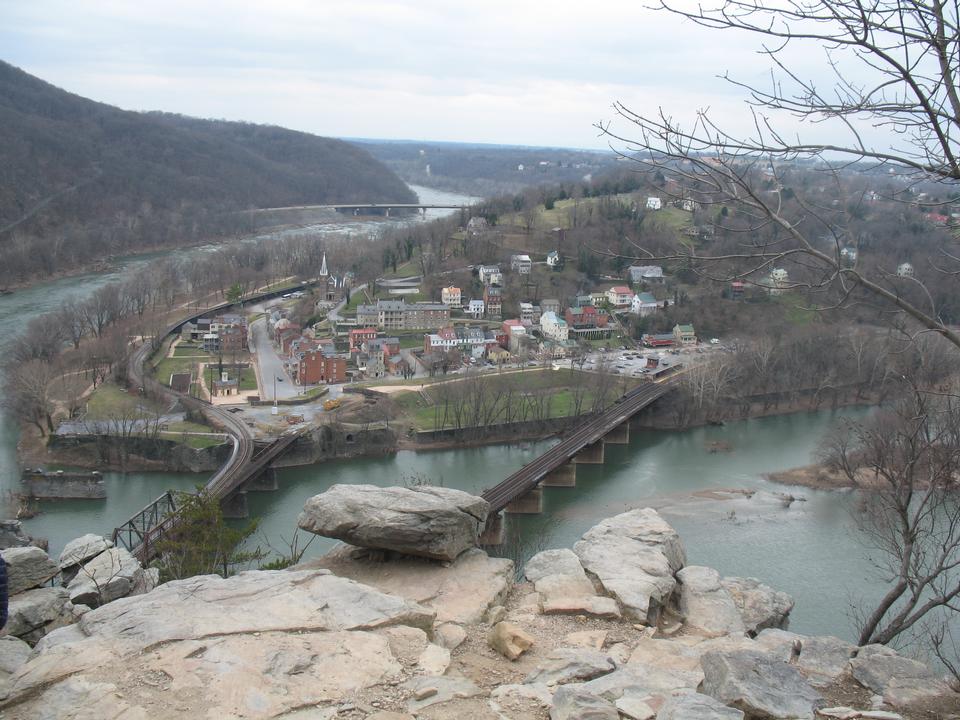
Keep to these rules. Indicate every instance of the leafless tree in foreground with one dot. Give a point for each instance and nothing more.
(907, 458)
(895, 65)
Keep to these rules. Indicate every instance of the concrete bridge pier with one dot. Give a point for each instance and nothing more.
(264, 482)
(592, 454)
(529, 504)
(493, 531)
(388, 212)
(620, 435)
(235, 506)
(563, 476)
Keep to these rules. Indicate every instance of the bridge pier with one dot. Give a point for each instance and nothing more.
(264, 482)
(620, 435)
(529, 504)
(563, 476)
(592, 454)
(493, 531)
(235, 506)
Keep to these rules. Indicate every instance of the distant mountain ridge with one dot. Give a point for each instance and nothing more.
(117, 181)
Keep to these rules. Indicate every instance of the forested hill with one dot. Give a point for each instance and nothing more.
(80, 180)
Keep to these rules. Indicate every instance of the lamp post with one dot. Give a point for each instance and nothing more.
(275, 381)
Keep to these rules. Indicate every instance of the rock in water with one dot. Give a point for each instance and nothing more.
(431, 522)
(758, 684)
(27, 567)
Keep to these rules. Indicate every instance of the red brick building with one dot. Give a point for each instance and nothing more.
(314, 368)
(358, 336)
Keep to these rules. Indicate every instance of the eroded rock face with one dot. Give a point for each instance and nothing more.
(759, 685)
(564, 587)
(81, 549)
(634, 555)
(822, 659)
(432, 522)
(760, 606)
(706, 605)
(27, 568)
(34, 613)
(112, 574)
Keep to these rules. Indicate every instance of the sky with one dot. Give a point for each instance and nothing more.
(524, 73)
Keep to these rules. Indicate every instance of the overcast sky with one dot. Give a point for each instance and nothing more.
(512, 72)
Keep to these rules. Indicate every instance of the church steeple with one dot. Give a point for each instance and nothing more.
(323, 267)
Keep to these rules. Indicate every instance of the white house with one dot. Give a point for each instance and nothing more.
(619, 296)
(849, 255)
(905, 270)
(490, 274)
(778, 281)
(643, 304)
(450, 296)
(476, 308)
(554, 259)
(554, 327)
(654, 203)
(521, 264)
(526, 312)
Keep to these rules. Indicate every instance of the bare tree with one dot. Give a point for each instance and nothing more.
(905, 56)
(908, 457)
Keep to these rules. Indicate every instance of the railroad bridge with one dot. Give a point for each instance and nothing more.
(522, 492)
(362, 208)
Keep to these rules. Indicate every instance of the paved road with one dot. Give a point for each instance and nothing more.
(334, 315)
(270, 364)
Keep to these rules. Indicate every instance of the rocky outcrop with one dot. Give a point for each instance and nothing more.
(634, 556)
(760, 606)
(81, 549)
(360, 634)
(431, 522)
(34, 613)
(27, 567)
(12, 535)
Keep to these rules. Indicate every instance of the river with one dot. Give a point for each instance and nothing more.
(808, 549)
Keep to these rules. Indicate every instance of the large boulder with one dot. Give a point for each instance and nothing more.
(901, 681)
(564, 587)
(706, 605)
(634, 555)
(572, 703)
(12, 535)
(27, 567)
(759, 685)
(14, 652)
(112, 574)
(565, 665)
(760, 605)
(34, 613)
(81, 549)
(431, 522)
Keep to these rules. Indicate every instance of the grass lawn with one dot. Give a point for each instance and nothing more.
(357, 297)
(248, 378)
(193, 351)
(187, 426)
(109, 400)
(168, 366)
(312, 393)
(794, 310)
(408, 342)
(197, 442)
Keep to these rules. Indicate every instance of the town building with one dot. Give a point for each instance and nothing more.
(358, 336)
(654, 203)
(312, 367)
(554, 327)
(400, 315)
(643, 304)
(645, 274)
(521, 264)
(684, 335)
(475, 309)
(737, 289)
(658, 340)
(905, 270)
(587, 321)
(490, 274)
(493, 301)
(550, 305)
(778, 281)
(526, 312)
(555, 260)
(619, 296)
(450, 296)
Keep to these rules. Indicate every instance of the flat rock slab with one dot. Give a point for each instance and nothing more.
(432, 522)
(429, 691)
(823, 659)
(33, 613)
(760, 606)
(695, 706)
(706, 605)
(81, 549)
(634, 555)
(901, 681)
(758, 684)
(572, 703)
(27, 568)
(461, 593)
(565, 665)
